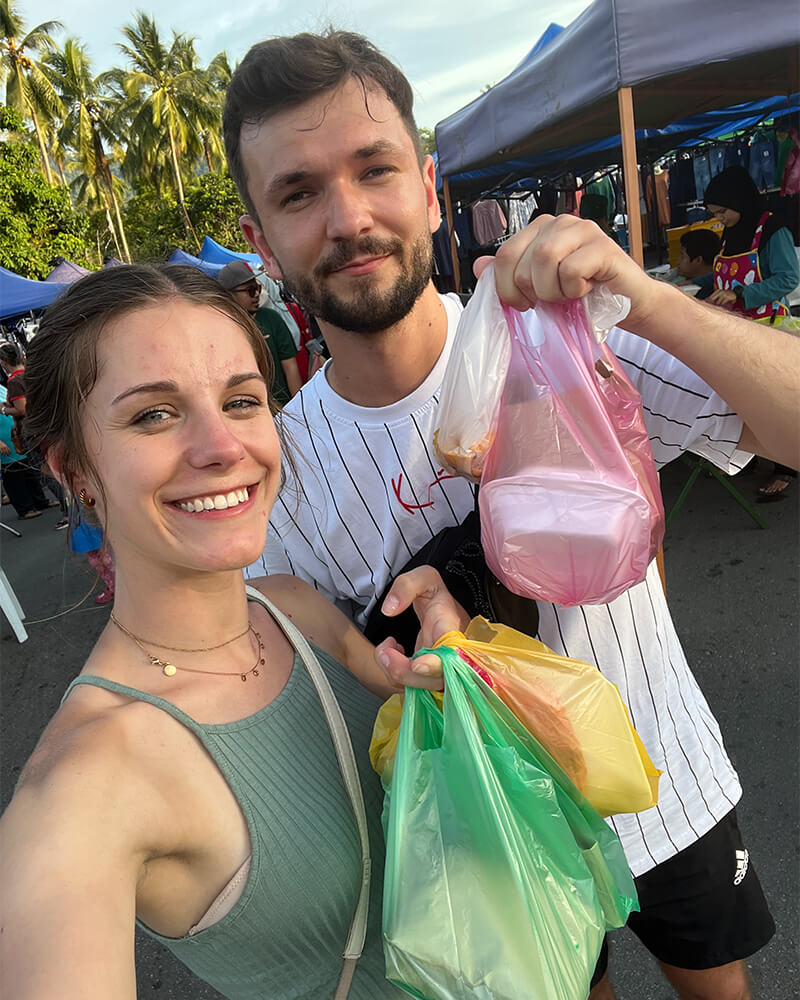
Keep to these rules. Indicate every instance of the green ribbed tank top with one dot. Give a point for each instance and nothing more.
(284, 938)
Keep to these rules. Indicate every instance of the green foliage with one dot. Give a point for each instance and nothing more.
(154, 225)
(428, 140)
(214, 207)
(37, 221)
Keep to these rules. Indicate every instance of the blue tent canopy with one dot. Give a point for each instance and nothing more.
(20, 295)
(66, 271)
(215, 253)
(186, 260)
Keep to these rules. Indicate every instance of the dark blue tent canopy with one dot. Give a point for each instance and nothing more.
(680, 58)
(19, 295)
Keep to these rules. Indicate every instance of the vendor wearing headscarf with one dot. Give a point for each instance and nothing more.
(756, 266)
(754, 270)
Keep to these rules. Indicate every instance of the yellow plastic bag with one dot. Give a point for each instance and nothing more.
(571, 709)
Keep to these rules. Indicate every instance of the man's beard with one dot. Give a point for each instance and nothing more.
(367, 310)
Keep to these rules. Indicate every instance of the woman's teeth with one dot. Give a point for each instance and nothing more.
(220, 501)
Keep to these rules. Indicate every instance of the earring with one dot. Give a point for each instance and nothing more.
(87, 501)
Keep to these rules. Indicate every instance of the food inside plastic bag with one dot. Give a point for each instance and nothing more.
(571, 509)
(473, 383)
(500, 879)
(567, 705)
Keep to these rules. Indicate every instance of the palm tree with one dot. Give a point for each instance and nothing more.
(165, 91)
(28, 90)
(218, 75)
(87, 123)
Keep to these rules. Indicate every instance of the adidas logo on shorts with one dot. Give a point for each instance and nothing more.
(742, 864)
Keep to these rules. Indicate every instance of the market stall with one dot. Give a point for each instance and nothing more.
(623, 64)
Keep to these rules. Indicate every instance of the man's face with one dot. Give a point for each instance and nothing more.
(691, 268)
(345, 214)
(247, 295)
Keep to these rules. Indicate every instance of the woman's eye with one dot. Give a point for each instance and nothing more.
(152, 417)
(243, 403)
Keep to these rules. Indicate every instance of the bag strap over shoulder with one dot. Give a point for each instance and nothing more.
(347, 765)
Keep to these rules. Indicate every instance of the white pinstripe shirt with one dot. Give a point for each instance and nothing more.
(371, 492)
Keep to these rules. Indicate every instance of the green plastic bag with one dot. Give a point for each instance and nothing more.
(501, 879)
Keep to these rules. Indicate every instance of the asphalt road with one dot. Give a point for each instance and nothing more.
(733, 590)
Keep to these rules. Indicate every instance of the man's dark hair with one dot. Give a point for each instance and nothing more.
(285, 72)
(701, 243)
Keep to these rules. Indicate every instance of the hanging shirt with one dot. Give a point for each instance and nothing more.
(488, 222)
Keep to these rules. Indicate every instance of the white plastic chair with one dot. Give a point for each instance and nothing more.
(11, 608)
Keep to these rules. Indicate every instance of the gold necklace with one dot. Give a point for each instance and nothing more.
(169, 669)
(180, 649)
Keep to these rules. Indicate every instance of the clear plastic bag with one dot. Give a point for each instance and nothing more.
(571, 508)
(473, 383)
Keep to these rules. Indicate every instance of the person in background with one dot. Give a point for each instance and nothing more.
(699, 247)
(595, 208)
(238, 278)
(754, 271)
(13, 365)
(21, 481)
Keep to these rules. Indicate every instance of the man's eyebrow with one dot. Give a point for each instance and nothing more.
(171, 387)
(381, 147)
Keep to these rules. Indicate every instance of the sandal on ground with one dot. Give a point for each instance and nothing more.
(53, 503)
(29, 515)
(105, 598)
(63, 523)
(772, 491)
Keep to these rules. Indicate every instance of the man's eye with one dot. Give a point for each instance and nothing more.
(379, 171)
(296, 197)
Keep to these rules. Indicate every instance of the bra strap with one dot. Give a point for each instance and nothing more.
(349, 768)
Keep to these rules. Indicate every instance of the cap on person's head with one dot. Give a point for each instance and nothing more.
(238, 272)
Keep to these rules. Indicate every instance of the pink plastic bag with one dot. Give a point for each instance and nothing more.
(571, 509)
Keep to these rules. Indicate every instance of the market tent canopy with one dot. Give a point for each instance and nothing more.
(66, 271)
(19, 295)
(215, 253)
(525, 174)
(187, 260)
(681, 58)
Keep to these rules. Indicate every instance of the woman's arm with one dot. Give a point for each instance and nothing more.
(69, 882)
(384, 669)
(779, 271)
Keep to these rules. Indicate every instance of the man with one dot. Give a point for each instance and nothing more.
(13, 365)
(322, 143)
(239, 279)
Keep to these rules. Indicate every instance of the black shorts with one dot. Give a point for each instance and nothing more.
(704, 907)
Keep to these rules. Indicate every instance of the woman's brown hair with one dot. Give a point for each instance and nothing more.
(61, 367)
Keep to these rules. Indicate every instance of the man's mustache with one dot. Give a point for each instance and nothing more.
(349, 250)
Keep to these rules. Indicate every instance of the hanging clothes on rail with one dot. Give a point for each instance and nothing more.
(489, 223)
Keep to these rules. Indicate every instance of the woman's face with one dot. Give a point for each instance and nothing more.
(179, 428)
(727, 216)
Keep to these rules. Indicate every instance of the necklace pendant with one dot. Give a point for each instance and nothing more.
(170, 669)
(255, 671)
(244, 677)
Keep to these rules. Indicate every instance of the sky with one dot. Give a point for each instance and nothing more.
(448, 59)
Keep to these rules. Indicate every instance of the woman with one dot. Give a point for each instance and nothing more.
(188, 780)
(755, 269)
